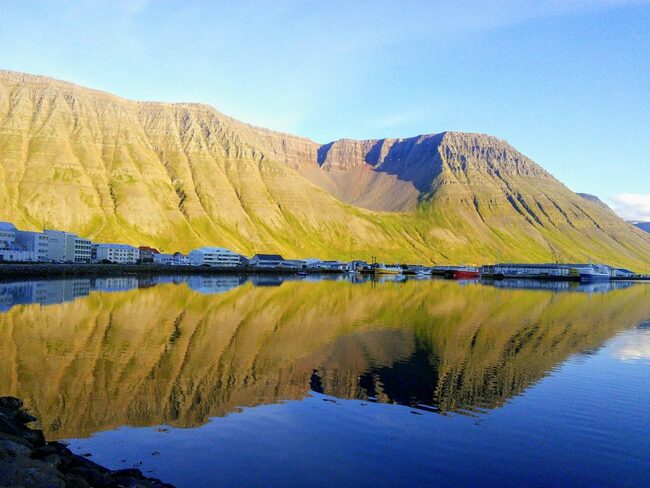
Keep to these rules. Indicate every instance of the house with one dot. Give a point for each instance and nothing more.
(214, 256)
(266, 261)
(181, 259)
(147, 253)
(115, 253)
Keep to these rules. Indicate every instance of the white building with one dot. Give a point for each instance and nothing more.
(66, 247)
(83, 249)
(11, 249)
(115, 253)
(214, 256)
(36, 243)
(266, 261)
(293, 264)
(163, 259)
(330, 266)
(7, 235)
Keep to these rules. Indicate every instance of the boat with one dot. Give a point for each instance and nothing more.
(465, 273)
(392, 270)
(593, 273)
(423, 274)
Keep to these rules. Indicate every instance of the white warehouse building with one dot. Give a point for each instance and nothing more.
(214, 256)
(116, 253)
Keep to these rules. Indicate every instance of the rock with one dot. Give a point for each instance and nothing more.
(75, 481)
(11, 448)
(26, 460)
(93, 476)
(24, 417)
(11, 403)
(129, 472)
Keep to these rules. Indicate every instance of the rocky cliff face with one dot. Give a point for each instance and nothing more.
(182, 175)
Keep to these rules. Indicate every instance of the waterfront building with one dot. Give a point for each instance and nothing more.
(115, 253)
(36, 243)
(621, 273)
(83, 249)
(163, 259)
(293, 264)
(146, 254)
(65, 247)
(266, 261)
(8, 249)
(7, 234)
(181, 259)
(547, 270)
(332, 266)
(214, 256)
(359, 265)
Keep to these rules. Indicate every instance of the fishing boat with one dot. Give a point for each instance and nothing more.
(391, 270)
(593, 273)
(466, 273)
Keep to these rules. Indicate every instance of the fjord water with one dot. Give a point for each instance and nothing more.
(243, 381)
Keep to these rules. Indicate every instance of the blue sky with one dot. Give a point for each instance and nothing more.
(567, 82)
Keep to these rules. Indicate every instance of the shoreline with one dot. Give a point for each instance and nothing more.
(27, 459)
(52, 270)
(11, 270)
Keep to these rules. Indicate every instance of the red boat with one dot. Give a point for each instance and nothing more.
(466, 274)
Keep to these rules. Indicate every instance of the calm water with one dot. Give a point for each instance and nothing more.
(241, 381)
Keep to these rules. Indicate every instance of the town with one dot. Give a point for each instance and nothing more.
(61, 247)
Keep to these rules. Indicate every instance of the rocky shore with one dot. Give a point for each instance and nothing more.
(28, 460)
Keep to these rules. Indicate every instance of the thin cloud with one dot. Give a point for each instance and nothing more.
(632, 206)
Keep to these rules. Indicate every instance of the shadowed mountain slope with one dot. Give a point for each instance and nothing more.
(182, 175)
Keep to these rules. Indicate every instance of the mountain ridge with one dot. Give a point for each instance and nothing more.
(182, 175)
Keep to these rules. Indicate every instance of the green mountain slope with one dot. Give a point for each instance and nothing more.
(182, 175)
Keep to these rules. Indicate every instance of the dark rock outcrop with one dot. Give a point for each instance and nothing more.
(27, 460)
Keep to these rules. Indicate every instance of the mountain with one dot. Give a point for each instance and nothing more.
(183, 175)
(644, 226)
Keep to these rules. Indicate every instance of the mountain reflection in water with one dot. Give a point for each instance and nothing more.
(178, 350)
